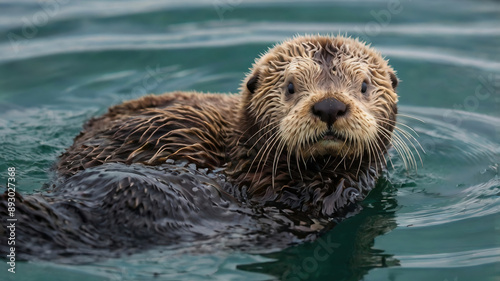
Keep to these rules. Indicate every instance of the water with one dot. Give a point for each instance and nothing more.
(63, 62)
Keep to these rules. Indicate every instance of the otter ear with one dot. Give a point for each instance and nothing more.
(252, 83)
(394, 80)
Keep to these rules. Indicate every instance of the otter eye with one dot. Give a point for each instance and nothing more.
(291, 88)
(364, 86)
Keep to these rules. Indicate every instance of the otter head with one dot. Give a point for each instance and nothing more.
(323, 96)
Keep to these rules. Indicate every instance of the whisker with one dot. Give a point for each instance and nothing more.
(408, 135)
(410, 139)
(262, 150)
(277, 154)
(407, 152)
(263, 135)
(416, 150)
(395, 143)
(345, 154)
(370, 148)
(269, 149)
(400, 133)
(412, 117)
(288, 157)
(379, 150)
(327, 161)
(360, 161)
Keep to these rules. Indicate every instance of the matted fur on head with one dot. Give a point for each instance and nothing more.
(320, 96)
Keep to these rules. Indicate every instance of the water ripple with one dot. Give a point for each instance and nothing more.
(439, 56)
(451, 260)
(223, 36)
(475, 201)
(456, 193)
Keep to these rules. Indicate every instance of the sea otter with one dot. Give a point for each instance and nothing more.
(303, 142)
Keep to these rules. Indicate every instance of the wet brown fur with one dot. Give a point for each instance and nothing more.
(267, 142)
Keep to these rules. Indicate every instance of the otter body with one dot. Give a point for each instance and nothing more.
(152, 129)
(291, 155)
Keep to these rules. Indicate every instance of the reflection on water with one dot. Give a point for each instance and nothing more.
(345, 250)
(437, 223)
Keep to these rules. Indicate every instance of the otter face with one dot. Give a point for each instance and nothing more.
(322, 96)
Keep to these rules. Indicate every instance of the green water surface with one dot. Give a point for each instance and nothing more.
(63, 62)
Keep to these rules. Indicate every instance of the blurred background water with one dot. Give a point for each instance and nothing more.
(64, 61)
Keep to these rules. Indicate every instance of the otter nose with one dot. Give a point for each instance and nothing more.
(328, 110)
